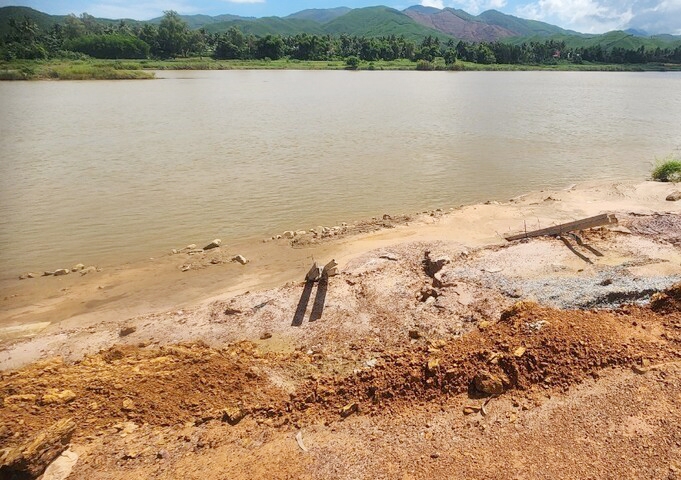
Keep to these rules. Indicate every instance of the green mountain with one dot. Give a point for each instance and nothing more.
(320, 15)
(380, 21)
(268, 26)
(520, 26)
(43, 20)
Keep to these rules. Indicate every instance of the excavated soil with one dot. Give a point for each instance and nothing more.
(147, 392)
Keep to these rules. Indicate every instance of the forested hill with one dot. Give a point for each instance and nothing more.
(414, 23)
(363, 34)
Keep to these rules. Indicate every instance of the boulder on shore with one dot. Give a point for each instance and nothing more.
(214, 244)
(61, 271)
(674, 196)
(240, 259)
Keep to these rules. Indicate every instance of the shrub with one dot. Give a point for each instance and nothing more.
(352, 63)
(667, 170)
(424, 65)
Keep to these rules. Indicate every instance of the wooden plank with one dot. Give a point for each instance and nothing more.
(563, 228)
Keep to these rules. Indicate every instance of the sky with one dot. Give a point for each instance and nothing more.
(587, 16)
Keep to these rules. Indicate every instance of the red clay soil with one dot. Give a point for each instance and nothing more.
(529, 346)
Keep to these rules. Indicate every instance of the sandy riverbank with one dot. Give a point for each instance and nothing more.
(53, 311)
(440, 351)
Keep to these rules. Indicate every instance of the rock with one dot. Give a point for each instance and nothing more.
(289, 234)
(47, 274)
(519, 352)
(387, 217)
(240, 259)
(487, 383)
(90, 269)
(61, 271)
(78, 267)
(349, 409)
(128, 405)
(29, 460)
(185, 268)
(433, 264)
(125, 331)
(20, 398)
(674, 197)
(389, 256)
(414, 334)
(54, 396)
(214, 244)
(300, 233)
(471, 409)
(61, 468)
(233, 415)
(215, 261)
(265, 336)
(433, 366)
(195, 251)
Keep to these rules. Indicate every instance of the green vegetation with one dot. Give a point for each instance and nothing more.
(72, 70)
(68, 49)
(667, 170)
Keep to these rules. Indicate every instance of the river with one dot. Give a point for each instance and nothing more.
(106, 172)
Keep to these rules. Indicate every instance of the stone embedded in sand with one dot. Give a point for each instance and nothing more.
(20, 398)
(125, 331)
(349, 409)
(77, 267)
(434, 263)
(674, 197)
(519, 352)
(233, 415)
(487, 383)
(214, 244)
(54, 396)
(433, 366)
(414, 334)
(90, 269)
(128, 405)
(289, 234)
(240, 259)
(61, 271)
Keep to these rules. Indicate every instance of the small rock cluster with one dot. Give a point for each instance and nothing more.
(192, 250)
(82, 269)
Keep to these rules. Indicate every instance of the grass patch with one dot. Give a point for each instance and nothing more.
(667, 170)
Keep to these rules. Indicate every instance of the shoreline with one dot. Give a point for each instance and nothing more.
(98, 69)
(45, 306)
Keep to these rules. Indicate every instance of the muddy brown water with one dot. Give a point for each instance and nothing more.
(109, 172)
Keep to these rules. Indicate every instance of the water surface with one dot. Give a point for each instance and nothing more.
(105, 172)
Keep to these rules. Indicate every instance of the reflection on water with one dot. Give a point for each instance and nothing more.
(102, 172)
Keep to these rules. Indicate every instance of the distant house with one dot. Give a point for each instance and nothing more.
(556, 54)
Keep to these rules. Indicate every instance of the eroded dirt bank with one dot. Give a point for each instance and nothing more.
(185, 409)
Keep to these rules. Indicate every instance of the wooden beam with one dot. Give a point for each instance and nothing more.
(563, 228)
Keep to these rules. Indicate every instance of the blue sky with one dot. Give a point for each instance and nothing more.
(589, 16)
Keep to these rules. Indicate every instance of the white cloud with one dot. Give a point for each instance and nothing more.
(433, 3)
(597, 16)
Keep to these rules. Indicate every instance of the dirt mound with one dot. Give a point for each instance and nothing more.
(667, 302)
(530, 346)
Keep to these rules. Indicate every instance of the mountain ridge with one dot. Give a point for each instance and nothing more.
(414, 22)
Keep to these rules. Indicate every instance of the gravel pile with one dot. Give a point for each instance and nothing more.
(609, 288)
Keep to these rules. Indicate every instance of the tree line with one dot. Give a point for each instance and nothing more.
(172, 38)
